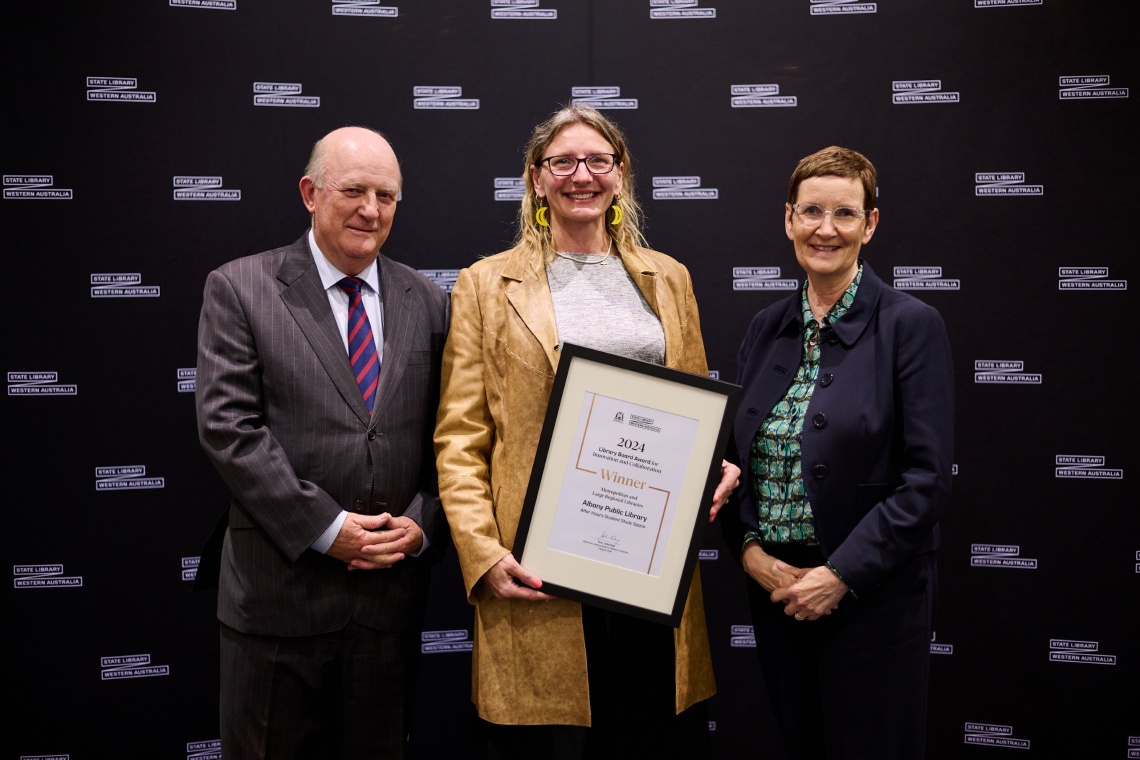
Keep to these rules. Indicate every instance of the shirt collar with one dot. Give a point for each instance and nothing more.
(839, 308)
(330, 275)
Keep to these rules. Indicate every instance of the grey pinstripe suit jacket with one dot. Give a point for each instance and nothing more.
(282, 419)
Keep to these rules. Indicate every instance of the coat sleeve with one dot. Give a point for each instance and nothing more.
(899, 524)
(464, 435)
(233, 431)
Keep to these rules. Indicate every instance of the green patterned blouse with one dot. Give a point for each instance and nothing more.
(774, 470)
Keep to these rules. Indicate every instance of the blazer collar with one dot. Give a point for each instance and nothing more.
(855, 321)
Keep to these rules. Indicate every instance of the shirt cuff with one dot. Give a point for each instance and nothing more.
(324, 541)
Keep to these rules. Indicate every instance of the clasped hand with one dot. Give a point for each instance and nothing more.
(376, 542)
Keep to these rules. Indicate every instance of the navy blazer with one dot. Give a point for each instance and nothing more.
(878, 433)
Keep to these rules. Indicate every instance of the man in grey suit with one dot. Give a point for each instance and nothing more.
(323, 571)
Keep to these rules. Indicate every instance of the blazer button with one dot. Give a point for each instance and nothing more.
(819, 471)
(819, 421)
(372, 435)
(826, 379)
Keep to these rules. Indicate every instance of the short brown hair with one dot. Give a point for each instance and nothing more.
(837, 162)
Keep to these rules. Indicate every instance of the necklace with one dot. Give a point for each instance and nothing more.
(587, 258)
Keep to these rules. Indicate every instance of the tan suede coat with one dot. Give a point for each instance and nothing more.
(499, 363)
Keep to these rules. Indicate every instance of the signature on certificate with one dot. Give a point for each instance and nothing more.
(609, 538)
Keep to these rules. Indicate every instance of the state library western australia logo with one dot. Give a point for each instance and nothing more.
(923, 278)
(207, 749)
(920, 91)
(39, 384)
(192, 188)
(682, 189)
(521, 9)
(1085, 467)
(1092, 87)
(510, 189)
(34, 187)
(371, 8)
(601, 98)
(1004, 183)
(1087, 278)
(122, 285)
(1004, 372)
(1001, 3)
(187, 379)
(742, 637)
(444, 278)
(1082, 652)
(125, 478)
(283, 95)
(130, 666)
(1000, 555)
(761, 278)
(832, 7)
(442, 98)
(679, 9)
(214, 5)
(993, 735)
(760, 96)
(43, 576)
(437, 642)
(190, 567)
(118, 90)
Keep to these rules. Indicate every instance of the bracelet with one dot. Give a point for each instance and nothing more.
(839, 575)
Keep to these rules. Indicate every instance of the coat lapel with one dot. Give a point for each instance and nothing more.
(399, 327)
(529, 295)
(308, 303)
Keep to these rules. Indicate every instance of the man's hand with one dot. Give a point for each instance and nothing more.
(374, 542)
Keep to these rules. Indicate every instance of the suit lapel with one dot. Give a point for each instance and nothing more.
(399, 328)
(308, 303)
(529, 295)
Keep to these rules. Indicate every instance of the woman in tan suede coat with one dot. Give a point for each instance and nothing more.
(530, 649)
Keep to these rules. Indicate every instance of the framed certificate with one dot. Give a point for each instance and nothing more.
(623, 481)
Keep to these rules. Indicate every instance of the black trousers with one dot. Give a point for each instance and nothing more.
(345, 694)
(852, 684)
(630, 664)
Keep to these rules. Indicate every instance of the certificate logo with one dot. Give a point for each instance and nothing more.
(907, 91)
(760, 96)
(187, 379)
(993, 735)
(1082, 652)
(1000, 555)
(214, 5)
(125, 478)
(1004, 372)
(118, 90)
(283, 95)
(371, 8)
(510, 189)
(210, 749)
(741, 637)
(43, 576)
(34, 187)
(39, 384)
(1092, 87)
(1004, 3)
(521, 9)
(831, 7)
(1004, 183)
(923, 278)
(679, 9)
(1087, 278)
(190, 568)
(442, 98)
(937, 647)
(682, 189)
(601, 98)
(761, 278)
(441, 642)
(444, 278)
(1085, 467)
(125, 666)
(191, 188)
(122, 285)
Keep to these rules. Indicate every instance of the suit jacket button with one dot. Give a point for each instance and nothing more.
(819, 421)
(819, 471)
(826, 379)
(372, 435)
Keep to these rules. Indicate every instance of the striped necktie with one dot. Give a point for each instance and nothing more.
(361, 345)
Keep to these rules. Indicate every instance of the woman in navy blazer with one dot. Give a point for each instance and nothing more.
(844, 434)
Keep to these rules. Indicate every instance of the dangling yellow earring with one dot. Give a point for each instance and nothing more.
(618, 216)
(540, 217)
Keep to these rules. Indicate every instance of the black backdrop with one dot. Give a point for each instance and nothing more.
(1004, 134)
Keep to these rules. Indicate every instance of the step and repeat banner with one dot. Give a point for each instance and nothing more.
(148, 142)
